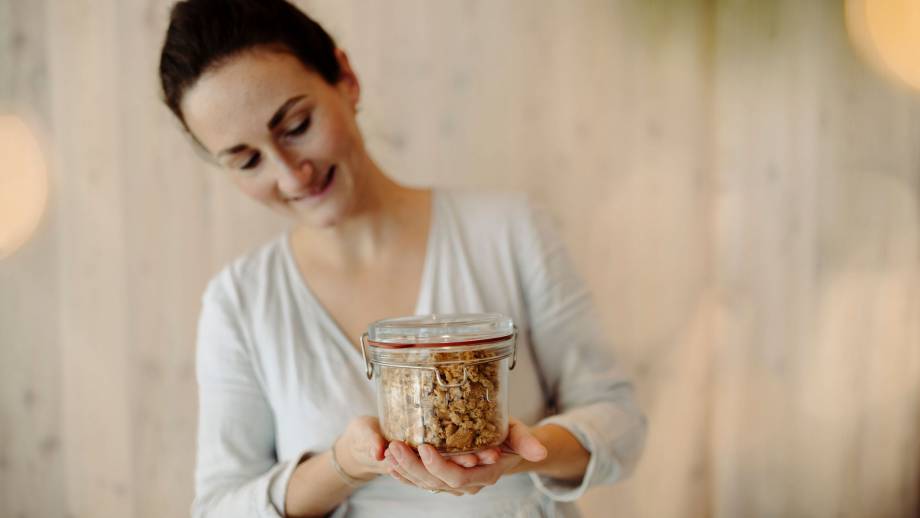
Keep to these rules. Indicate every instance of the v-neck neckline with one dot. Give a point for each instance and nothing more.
(303, 287)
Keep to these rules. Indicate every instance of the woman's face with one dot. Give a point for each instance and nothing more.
(288, 137)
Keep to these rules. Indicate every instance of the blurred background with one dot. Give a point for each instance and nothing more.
(739, 182)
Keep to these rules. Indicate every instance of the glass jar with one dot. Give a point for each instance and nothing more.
(442, 379)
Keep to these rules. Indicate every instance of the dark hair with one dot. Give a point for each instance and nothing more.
(204, 33)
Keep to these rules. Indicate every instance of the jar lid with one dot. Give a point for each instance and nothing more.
(439, 330)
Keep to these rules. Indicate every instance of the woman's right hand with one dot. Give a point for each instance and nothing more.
(360, 450)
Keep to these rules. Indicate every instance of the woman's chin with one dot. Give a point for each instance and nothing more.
(328, 212)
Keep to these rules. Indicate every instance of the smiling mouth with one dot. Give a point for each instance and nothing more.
(317, 189)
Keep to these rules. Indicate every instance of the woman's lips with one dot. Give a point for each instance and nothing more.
(327, 181)
(318, 190)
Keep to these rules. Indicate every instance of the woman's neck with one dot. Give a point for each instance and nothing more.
(383, 214)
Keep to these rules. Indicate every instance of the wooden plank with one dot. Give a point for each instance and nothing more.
(31, 460)
(816, 330)
(96, 379)
(631, 79)
(168, 258)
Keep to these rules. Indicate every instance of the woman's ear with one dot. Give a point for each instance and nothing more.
(348, 81)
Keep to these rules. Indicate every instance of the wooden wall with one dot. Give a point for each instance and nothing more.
(738, 187)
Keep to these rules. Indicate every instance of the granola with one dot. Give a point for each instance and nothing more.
(455, 415)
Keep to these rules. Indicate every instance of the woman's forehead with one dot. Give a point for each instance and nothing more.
(241, 95)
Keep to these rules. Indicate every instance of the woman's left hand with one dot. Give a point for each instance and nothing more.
(433, 472)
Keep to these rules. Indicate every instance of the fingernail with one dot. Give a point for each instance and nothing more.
(425, 453)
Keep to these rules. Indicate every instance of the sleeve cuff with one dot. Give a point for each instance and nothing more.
(278, 484)
(566, 491)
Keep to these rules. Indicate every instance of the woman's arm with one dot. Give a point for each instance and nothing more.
(237, 472)
(566, 458)
(315, 488)
(594, 400)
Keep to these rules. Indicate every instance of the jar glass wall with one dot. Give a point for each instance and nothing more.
(442, 379)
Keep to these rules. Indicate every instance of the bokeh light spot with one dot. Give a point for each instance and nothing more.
(23, 184)
(887, 32)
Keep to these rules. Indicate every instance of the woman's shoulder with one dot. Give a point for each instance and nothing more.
(481, 207)
(513, 216)
(481, 198)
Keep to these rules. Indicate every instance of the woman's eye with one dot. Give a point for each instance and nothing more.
(252, 162)
(298, 129)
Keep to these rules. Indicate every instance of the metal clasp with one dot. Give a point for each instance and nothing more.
(437, 374)
(367, 364)
(513, 348)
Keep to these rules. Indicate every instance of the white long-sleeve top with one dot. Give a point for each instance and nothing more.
(279, 380)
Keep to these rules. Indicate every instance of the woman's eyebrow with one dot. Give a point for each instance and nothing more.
(272, 123)
(282, 111)
(231, 150)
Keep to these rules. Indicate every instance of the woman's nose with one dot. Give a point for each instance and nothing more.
(293, 174)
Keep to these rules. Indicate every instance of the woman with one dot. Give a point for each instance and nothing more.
(285, 426)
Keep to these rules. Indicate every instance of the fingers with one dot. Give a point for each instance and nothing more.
(394, 472)
(430, 470)
(402, 479)
(362, 447)
(482, 457)
(467, 460)
(457, 477)
(371, 436)
(377, 445)
(404, 459)
(453, 475)
(488, 456)
(524, 443)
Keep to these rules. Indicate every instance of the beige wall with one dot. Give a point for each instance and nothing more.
(739, 189)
